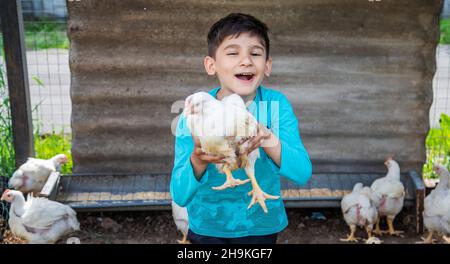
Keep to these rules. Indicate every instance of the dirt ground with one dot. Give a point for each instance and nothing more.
(158, 227)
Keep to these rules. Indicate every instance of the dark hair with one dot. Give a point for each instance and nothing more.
(233, 25)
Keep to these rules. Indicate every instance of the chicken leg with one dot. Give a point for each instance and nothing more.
(351, 237)
(391, 230)
(258, 194)
(230, 182)
(377, 227)
(183, 240)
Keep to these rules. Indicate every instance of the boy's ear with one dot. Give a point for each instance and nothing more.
(210, 65)
(268, 67)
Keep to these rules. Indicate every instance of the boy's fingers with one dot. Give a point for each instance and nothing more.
(212, 159)
(199, 151)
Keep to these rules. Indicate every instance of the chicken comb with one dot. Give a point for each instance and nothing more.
(390, 157)
(6, 191)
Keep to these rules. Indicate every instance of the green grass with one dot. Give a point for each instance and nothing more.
(7, 156)
(445, 31)
(438, 147)
(49, 145)
(44, 34)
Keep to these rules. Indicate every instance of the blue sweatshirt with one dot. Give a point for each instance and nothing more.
(224, 213)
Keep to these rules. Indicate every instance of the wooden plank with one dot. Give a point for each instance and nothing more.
(17, 75)
(336, 186)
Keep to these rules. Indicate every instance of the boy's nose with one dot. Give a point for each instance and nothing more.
(246, 61)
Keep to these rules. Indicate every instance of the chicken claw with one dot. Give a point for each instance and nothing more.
(351, 237)
(391, 231)
(260, 197)
(184, 240)
(446, 239)
(230, 182)
(428, 240)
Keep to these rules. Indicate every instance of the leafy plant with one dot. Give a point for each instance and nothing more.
(49, 145)
(438, 147)
(45, 33)
(445, 31)
(7, 156)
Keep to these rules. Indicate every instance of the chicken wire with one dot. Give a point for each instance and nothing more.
(47, 55)
(438, 141)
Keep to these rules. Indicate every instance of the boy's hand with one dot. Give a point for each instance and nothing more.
(256, 141)
(200, 157)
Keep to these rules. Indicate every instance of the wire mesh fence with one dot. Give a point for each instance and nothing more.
(47, 48)
(438, 139)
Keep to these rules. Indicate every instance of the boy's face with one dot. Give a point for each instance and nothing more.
(240, 64)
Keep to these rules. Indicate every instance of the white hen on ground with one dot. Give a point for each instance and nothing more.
(436, 214)
(220, 127)
(359, 210)
(33, 174)
(180, 216)
(388, 194)
(39, 220)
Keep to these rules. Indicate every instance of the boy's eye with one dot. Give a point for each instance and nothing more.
(256, 54)
(232, 53)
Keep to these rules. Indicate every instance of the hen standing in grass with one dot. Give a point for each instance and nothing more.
(33, 174)
(388, 194)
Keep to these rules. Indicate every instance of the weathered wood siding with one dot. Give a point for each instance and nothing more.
(358, 73)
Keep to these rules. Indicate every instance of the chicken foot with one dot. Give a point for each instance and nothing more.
(391, 230)
(446, 239)
(377, 227)
(258, 194)
(183, 240)
(230, 182)
(351, 237)
(428, 240)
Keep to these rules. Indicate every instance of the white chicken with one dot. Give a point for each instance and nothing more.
(39, 220)
(220, 127)
(436, 214)
(359, 210)
(33, 174)
(388, 194)
(180, 216)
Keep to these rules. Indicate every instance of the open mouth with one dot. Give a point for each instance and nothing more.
(245, 76)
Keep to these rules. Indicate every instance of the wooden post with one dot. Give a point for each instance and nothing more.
(17, 75)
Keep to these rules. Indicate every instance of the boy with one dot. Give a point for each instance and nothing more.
(238, 47)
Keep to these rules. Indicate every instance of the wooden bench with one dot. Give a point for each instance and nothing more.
(119, 192)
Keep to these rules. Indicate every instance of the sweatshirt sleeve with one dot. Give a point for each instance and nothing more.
(183, 183)
(295, 162)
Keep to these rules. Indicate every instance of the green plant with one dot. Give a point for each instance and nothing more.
(7, 156)
(438, 147)
(49, 145)
(45, 33)
(444, 26)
